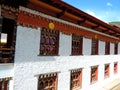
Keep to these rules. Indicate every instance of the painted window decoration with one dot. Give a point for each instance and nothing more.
(94, 46)
(107, 71)
(116, 48)
(4, 83)
(76, 79)
(49, 42)
(94, 74)
(48, 81)
(77, 42)
(115, 67)
(107, 48)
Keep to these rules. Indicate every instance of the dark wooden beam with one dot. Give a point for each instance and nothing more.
(81, 21)
(94, 27)
(104, 31)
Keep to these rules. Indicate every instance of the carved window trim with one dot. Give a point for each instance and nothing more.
(107, 48)
(48, 81)
(115, 68)
(77, 43)
(116, 48)
(76, 79)
(49, 42)
(4, 83)
(94, 74)
(107, 70)
(94, 47)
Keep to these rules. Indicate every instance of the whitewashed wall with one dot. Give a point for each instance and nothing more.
(65, 41)
(87, 46)
(101, 48)
(7, 70)
(28, 64)
(111, 48)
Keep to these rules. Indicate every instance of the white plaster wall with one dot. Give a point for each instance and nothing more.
(86, 46)
(27, 50)
(111, 48)
(65, 41)
(7, 70)
(101, 48)
(11, 82)
(28, 65)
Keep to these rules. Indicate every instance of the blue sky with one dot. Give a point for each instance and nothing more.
(105, 10)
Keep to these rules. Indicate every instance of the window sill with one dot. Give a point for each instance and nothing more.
(94, 81)
(47, 55)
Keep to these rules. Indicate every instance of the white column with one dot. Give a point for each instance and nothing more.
(65, 44)
(64, 81)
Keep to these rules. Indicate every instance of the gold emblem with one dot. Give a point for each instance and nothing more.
(51, 26)
(96, 36)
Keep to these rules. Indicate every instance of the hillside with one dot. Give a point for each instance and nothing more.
(115, 23)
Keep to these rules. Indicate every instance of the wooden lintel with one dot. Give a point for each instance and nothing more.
(94, 27)
(81, 21)
(44, 5)
(104, 31)
(90, 23)
(71, 16)
(60, 14)
(101, 27)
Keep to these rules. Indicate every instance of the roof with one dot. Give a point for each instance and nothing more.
(62, 10)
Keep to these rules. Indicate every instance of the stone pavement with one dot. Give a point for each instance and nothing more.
(114, 85)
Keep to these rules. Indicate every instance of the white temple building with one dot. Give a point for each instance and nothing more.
(51, 45)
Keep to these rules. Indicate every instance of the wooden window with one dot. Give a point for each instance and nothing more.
(48, 81)
(115, 67)
(94, 46)
(77, 42)
(7, 32)
(49, 42)
(94, 74)
(4, 83)
(107, 71)
(76, 79)
(116, 48)
(107, 48)
(7, 40)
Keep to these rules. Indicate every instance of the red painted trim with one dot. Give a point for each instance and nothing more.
(35, 21)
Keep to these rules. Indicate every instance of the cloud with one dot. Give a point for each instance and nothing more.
(90, 12)
(109, 4)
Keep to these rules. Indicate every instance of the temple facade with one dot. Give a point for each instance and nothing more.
(50, 45)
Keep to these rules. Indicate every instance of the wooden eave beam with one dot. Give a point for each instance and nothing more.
(95, 27)
(71, 16)
(58, 15)
(101, 27)
(90, 23)
(81, 21)
(85, 15)
(104, 31)
(44, 5)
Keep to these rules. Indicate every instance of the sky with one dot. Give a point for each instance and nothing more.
(105, 10)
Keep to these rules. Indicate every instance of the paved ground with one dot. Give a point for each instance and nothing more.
(117, 87)
(114, 85)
